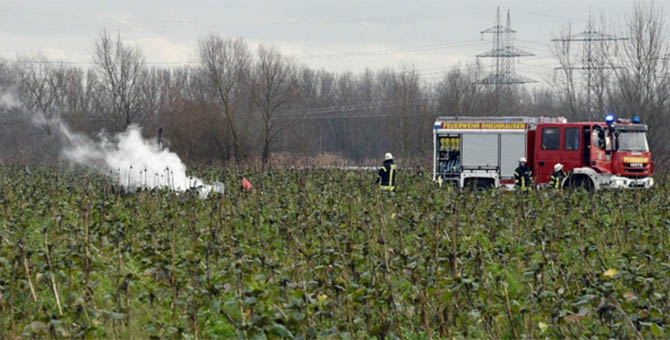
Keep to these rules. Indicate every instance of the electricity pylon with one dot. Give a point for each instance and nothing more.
(592, 62)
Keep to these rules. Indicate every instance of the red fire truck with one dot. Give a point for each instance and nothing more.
(482, 152)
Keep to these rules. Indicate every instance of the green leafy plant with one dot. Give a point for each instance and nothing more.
(322, 254)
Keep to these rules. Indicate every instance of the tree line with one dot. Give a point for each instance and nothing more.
(241, 105)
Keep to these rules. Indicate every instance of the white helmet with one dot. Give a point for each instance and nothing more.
(523, 160)
(558, 167)
(388, 156)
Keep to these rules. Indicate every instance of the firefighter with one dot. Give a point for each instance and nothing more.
(557, 176)
(523, 176)
(387, 173)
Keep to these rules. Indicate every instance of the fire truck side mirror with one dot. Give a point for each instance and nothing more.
(601, 143)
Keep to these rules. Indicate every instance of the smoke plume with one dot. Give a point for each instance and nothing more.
(133, 161)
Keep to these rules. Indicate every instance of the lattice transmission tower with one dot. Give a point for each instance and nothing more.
(504, 56)
(593, 64)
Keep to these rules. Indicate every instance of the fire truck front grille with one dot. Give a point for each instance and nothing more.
(636, 165)
(635, 170)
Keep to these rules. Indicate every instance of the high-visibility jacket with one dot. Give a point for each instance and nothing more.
(523, 177)
(386, 176)
(557, 179)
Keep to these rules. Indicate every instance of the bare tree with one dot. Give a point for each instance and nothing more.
(166, 93)
(51, 90)
(36, 90)
(459, 92)
(643, 84)
(81, 95)
(7, 78)
(274, 90)
(566, 81)
(225, 64)
(119, 69)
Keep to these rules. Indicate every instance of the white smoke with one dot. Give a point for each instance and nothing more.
(9, 100)
(133, 161)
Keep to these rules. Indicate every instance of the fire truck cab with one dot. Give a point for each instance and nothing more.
(482, 152)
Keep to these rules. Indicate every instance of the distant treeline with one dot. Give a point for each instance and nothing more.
(240, 105)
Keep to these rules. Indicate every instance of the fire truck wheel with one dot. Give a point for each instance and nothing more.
(580, 182)
(479, 184)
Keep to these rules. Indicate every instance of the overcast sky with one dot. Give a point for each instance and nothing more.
(433, 36)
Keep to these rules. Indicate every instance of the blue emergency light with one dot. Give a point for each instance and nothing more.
(636, 119)
(609, 118)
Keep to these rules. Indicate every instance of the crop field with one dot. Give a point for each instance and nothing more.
(322, 254)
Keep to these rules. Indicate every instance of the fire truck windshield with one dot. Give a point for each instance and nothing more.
(633, 141)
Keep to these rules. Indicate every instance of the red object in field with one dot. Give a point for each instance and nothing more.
(246, 184)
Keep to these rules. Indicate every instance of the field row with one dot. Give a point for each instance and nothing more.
(324, 254)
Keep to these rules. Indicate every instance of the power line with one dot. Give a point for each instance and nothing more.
(366, 110)
(592, 62)
(350, 54)
(416, 49)
(69, 62)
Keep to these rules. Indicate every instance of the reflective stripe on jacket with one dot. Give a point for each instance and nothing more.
(387, 175)
(557, 179)
(523, 177)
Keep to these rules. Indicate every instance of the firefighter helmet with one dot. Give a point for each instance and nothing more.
(558, 167)
(523, 160)
(388, 156)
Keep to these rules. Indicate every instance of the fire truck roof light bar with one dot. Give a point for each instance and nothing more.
(542, 119)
